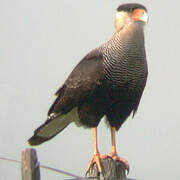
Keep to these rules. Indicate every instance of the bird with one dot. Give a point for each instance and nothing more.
(108, 82)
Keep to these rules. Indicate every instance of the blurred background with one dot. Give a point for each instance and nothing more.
(40, 43)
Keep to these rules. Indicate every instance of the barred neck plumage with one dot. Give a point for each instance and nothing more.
(125, 53)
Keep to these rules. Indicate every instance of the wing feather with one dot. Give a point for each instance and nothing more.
(80, 84)
(83, 80)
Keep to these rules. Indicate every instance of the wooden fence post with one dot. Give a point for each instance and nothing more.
(30, 165)
(112, 170)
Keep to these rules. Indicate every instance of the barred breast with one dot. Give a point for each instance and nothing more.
(125, 59)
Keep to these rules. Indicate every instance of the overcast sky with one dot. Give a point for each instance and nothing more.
(40, 43)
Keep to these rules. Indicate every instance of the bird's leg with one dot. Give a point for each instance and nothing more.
(96, 156)
(113, 153)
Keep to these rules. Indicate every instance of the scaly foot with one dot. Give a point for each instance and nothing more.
(115, 157)
(95, 159)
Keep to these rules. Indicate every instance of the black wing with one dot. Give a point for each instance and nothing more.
(83, 80)
(80, 84)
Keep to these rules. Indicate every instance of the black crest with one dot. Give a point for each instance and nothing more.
(130, 7)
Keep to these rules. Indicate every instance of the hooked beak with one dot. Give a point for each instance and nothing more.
(140, 15)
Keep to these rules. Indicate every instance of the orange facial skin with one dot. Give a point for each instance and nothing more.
(139, 15)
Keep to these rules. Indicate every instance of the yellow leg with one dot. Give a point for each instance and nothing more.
(113, 153)
(96, 156)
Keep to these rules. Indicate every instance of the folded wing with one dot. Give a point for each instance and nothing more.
(80, 84)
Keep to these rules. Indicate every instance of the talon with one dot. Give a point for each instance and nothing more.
(103, 156)
(113, 153)
(125, 162)
(95, 159)
(115, 157)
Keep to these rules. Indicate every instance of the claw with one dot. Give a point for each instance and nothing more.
(95, 159)
(125, 162)
(103, 156)
(113, 153)
(115, 157)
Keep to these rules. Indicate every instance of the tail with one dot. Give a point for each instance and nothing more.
(54, 125)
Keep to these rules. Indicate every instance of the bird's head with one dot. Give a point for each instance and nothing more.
(127, 13)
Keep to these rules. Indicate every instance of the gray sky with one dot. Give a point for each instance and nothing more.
(41, 41)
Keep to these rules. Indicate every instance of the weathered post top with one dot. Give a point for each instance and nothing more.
(112, 170)
(30, 165)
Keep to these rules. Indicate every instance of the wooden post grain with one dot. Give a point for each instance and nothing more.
(112, 170)
(29, 165)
